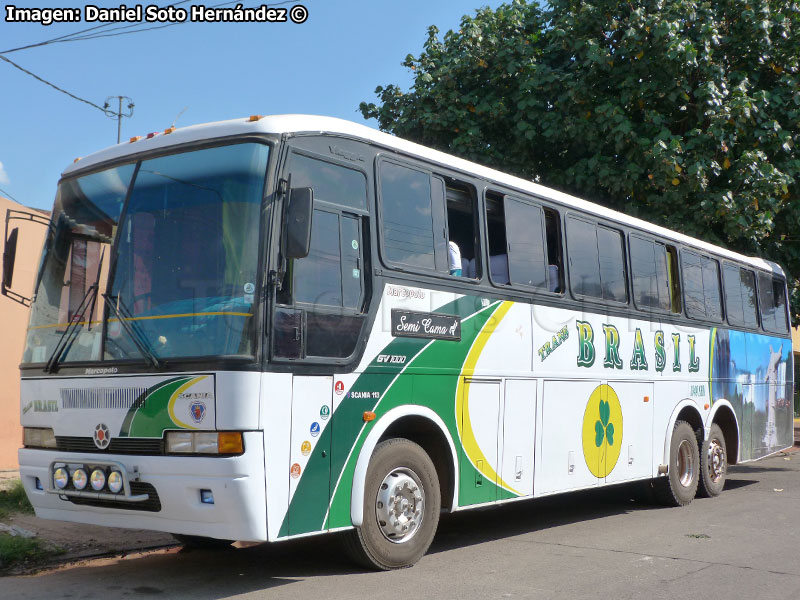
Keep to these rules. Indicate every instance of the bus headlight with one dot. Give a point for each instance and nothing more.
(115, 482)
(38, 437)
(98, 480)
(79, 479)
(61, 478)
(204, 442)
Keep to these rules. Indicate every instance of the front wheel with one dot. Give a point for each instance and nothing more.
(713, 463)
(402, 501)
(678, 488)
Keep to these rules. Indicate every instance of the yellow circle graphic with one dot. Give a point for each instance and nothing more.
(602, 431)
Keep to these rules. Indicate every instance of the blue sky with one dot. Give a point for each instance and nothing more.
(326, 66)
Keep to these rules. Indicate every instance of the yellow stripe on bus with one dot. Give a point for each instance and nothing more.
(468, 440)
(149, 318)
(174, 398)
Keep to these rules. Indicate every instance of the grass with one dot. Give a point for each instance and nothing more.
(13, 499)
(15, 550)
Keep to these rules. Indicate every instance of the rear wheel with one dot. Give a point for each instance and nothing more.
(713, 463)
(678, 488)
(402, 501)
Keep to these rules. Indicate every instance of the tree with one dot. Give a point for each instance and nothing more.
(682, 113)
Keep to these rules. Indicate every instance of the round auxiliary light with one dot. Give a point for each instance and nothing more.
(79, 479)
(98, 480)
(61, 478)
(115, 482)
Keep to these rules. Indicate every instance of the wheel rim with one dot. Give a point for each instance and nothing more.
(716, 461)
(685, 464)
(400, 505)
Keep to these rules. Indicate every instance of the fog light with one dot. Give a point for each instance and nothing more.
(98, 480)
(115, 482)
(79, 479)
(61, 478)
(206, 497)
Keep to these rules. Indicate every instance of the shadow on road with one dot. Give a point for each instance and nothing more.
(215, 574)
(493, 523)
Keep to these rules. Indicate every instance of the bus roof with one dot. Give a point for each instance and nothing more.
(279, 124)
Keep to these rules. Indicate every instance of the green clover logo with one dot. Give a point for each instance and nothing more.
(603, 429)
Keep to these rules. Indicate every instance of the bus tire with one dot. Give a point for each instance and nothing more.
(402, 500)
(713, 463)
(199, 541)
(679, 487)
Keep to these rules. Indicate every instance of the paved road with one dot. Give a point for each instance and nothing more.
(599, 545)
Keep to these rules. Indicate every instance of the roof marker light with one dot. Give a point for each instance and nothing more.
(151, 135)
(169, 130)
(135, 138)
(256, 117)
(76, 160)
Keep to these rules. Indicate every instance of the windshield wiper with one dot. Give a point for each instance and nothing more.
(67, 337)
(135, 332)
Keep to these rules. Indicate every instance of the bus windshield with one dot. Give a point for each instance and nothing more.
(153, 260)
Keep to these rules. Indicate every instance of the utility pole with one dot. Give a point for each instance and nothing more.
(118, 114)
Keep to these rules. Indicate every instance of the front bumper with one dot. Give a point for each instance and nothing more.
(239, 511)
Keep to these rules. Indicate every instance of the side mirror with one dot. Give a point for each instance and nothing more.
(9, 258)
(297, 239)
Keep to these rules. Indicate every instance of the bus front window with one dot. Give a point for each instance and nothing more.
(181, 279)
(187, 258)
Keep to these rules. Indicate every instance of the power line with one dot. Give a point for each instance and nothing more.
(76, 36)
(131, 27)
(69, 36)
(9, 196)
(52, 85)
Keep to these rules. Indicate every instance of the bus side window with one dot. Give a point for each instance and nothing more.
(653, 269)
(596, 261)
(701, 286)
(740, 296)
(772, 296)
(524, 243)
(461, 227)
(410, 234)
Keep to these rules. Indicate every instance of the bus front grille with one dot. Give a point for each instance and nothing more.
(152, 504)
(142, 446)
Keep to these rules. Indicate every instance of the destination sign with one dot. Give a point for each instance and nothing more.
(433, 326)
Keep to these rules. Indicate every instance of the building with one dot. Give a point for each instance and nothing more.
(14, 322)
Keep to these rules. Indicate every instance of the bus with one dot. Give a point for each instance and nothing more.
(281, 326)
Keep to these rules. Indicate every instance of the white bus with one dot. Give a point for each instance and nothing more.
(275, 327)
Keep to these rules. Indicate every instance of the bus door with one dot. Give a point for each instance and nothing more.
(497, 426)
(518, 433)
(310, 457)
(635, 459)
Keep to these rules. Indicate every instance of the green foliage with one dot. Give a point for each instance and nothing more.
(686, 114)
(13, 499)
(15, 550)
